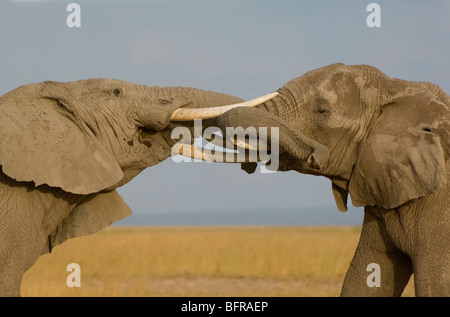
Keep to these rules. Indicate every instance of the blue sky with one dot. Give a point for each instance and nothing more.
(244, 48)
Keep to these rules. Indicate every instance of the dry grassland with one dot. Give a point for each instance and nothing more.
(200, 261)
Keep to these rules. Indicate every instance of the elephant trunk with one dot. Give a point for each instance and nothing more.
(309, 155)
(157, 112)
(196, 98)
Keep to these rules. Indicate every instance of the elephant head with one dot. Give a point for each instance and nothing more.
(94, 135)
(383, 140)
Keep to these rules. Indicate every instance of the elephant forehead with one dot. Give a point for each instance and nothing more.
(99, 82)
(328, 92)
(95, 84)
(334, 86)
(306, 90)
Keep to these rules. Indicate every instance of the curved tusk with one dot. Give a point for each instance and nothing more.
(188, 114)
(198, 153)
(220, 142)
(245, 145)
(194, 152)
(239, 143)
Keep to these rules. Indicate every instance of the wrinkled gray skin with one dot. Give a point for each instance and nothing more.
(65, 147)
(385, 142)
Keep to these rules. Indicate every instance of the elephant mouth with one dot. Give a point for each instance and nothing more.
(145, 136)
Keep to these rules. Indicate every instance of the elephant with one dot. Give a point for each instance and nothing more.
(66, 146)
(386, 143)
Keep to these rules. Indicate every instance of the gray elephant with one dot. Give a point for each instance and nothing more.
(66, 147)
(385, 142)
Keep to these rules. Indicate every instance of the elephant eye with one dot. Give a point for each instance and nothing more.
(320, 110)
(117, 92)
(321, 107)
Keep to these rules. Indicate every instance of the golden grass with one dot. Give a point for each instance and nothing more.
(200, 261)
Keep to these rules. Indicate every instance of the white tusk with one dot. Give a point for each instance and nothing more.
(194, 152)
(242, 144)
(188, 114)
(197, 153)
(245, 145)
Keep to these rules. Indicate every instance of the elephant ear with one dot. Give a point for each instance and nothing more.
(44, 140)
(404, 157)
